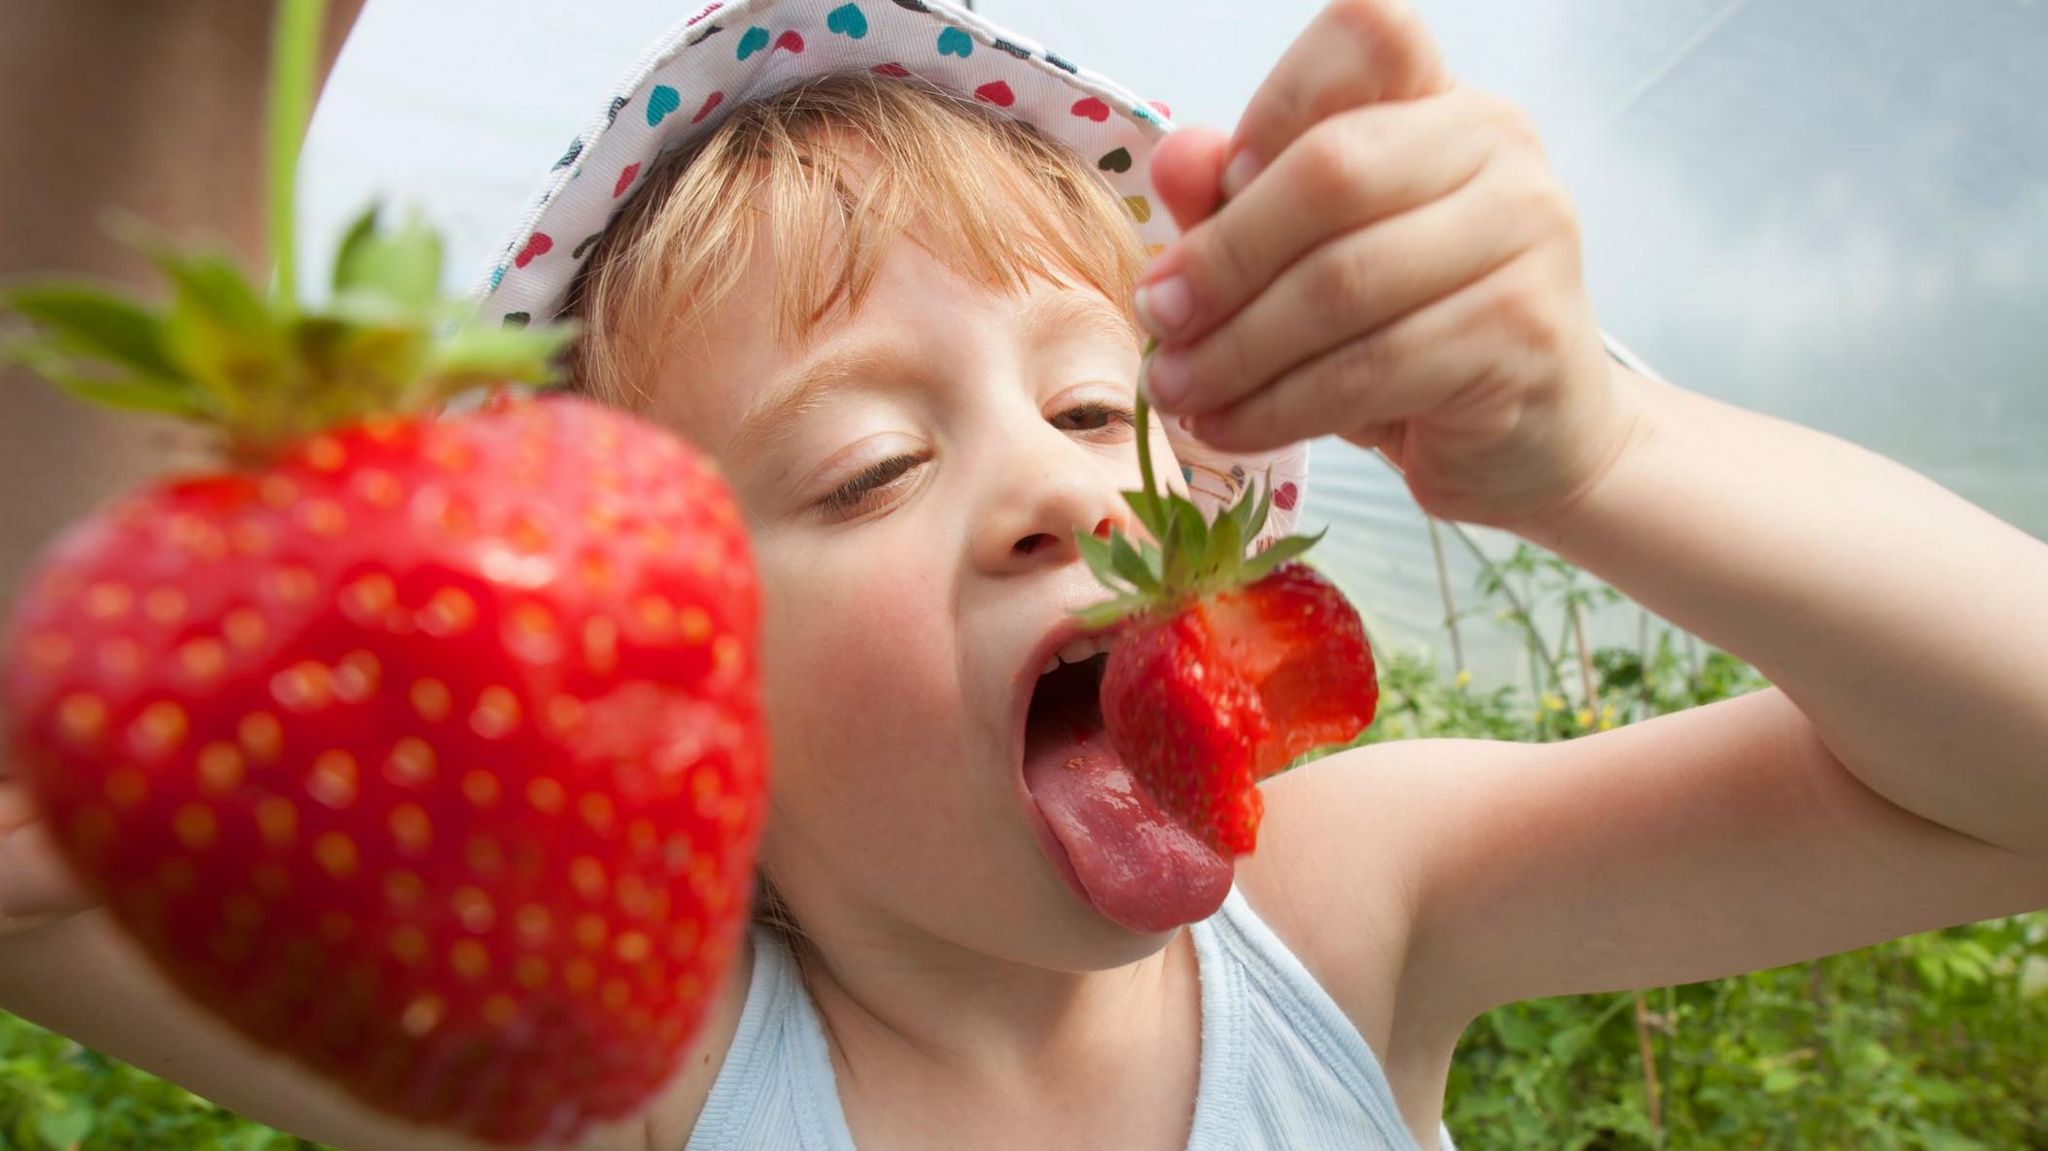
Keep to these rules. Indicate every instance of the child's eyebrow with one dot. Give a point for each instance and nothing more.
(810, 387)
(1053, 316)
(1046, 318)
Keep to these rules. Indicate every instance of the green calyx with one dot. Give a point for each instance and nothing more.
(1188, 556)
(260, 369)
(257, 367)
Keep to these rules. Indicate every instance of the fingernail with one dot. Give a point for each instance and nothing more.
(1166, 379)
(1164, 307)
(1239, 172)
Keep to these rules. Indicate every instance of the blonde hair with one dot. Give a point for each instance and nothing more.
(836, 170)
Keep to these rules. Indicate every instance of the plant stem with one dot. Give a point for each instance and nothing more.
(1528, 621)
(1648, 1052)
(1586, 682)
(1144, 422)
(294, 52)
(1443, 583)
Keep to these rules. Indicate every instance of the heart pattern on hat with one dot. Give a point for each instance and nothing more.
(753, 47)
(847, 20)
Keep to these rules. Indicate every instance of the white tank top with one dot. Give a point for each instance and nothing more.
(1282, 1068)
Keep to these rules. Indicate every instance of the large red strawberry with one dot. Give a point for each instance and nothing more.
(1227, 667)
(425, 751)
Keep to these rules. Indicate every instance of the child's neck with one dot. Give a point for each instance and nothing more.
(931, 1017)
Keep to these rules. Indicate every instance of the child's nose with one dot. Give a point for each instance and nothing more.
(1031, 544)
(1031, 519)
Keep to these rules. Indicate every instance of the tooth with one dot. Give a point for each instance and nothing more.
(1077, 650)
(1049, 665)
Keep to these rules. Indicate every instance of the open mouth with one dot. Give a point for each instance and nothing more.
(1066, 706)
(1115, 848)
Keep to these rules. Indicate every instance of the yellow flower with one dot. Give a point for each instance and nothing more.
(1551, 702)
(1585, 717)
(1464, 677)
(1606, 718)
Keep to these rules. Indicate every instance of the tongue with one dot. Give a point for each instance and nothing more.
(1139, 867)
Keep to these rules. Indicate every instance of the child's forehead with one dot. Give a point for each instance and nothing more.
(739, 375)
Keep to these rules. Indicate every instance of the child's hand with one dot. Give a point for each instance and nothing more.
(1396, 264)
(35, 886)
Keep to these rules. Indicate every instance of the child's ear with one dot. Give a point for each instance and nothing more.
(1187, 173)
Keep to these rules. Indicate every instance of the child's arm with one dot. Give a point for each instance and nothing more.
(82, 978)
(1400, 268)
(154, 111)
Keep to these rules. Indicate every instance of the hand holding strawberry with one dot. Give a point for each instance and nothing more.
(1396, 265)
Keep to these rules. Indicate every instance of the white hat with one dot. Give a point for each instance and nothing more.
(685, 83)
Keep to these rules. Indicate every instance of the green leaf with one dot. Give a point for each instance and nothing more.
(403, 266)
(1138, 565)
(1187, 544)
(1112, 611)
(1283, 549)
(65, 1129)
(1257, 523)
(96, 323)
(358, 234)
(1150, 510)
(1226, 542)
(174, 395)
(221, 331)
(137, 394)
(481, 354)
(1096, 551)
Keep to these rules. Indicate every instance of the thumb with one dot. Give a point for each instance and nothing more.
(1187, 173)
(34, 881)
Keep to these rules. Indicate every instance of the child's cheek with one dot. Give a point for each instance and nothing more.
(849, 636)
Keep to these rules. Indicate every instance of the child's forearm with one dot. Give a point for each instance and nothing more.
(151, 110)
(81, 977)
(1907, 624)
(154, 110)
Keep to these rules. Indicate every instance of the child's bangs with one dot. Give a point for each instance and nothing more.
(830, 174)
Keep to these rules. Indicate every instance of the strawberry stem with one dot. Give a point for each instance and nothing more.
(294, 50)
(1144, 423)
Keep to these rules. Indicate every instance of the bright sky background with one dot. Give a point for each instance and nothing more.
(1833, 210)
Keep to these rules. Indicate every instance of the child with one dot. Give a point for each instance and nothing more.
(897, 319)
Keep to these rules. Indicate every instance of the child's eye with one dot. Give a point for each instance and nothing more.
(855, 494)
(1094, 415)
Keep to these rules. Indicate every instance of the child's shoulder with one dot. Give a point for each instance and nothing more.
(1336, 870)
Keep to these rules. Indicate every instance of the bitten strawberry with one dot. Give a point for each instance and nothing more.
(423, 750)
(1226, 667)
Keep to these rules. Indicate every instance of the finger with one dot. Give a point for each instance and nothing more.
(1187, 173)
(33, 879)
(1355, 52)
(1353, 284)
(1422, 363)
(15, 808)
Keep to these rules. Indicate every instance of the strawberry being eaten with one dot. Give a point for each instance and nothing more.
(1226, 667)
(423, 750)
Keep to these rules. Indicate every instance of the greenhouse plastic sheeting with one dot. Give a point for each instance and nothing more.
(1835, 212)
